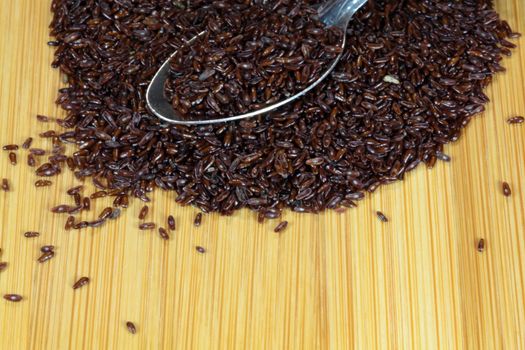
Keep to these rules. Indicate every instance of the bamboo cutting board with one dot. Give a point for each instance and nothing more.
(336, 281)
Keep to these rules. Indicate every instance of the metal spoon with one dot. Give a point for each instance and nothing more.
(336, 13)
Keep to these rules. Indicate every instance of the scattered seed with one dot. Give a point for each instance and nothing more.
(171, 223)
(10, 147)
(163, 233)
(198, 220)
(81, 225)
(98, 194)
(47, 248)
(481, 245)
(516, 120)
(114, 214)
(381, 216)
(31, 160)
(69, 223)
(143, 212)
(86, 203)
(12, 158)
(281, 226)
(46, 256)
(147, 226)
(15, 298)
(106, 213)
(200, 249)
(81, 282)
(506, 189)
(42, 118)
(31, 234)
(27, 143)
(3, 266)
(131, 327)
(75, 190)
(43, 183)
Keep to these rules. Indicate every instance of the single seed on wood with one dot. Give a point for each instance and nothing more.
(27, 143)
(516, 120)
(481, 245)
(42, 118)
(86, 203)
(381, 216)
(98, 194)
(37, 151)
(81, 282)
(31, 234)
(106, 213)
(506, 189)
(131, 327)
(43, 183)
(69, 223)
(31, 160)
(200, 249)
(12, 158)
(147, 226)
(47, 248)
(5, 185)
(10, 147)
(281, 226)
(198, 220)
(46, 256)
(81, 225)
(163, 233)
(15, 298)
(75, 190)
(3, 266)
(171, 222)
(143, 212)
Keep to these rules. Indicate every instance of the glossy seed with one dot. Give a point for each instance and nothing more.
(506, 189)
(106, 213)
(281, 226)
(46, 256)
(516, 120)
(381, 216)
(12, 158)
(15, 298)
(171, 222)
(81, 282)
(47, 248)
(163, 233)
(31, 160)
(86, 203)
(69, 223)
(200, 249)
(147, 226)
(43, 183)
(198, 220)
(27, 143)
(5, 185)
(143, 212)
(10, 147)
(481, 245)
(31, 234)
(131, 327)
(3, 266)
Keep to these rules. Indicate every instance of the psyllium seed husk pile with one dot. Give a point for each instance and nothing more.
(411, 77)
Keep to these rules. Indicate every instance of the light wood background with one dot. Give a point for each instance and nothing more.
(336, 281)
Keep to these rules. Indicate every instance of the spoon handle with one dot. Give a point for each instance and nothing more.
(338, 13)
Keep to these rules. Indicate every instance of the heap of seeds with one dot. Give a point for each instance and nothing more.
(250, 56)
(410, 79)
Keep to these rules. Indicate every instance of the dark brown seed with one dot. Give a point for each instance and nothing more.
(81, 225)
(143, 212)
(481, 245)
(27, 143)
(516, 120)
(31, 160)
(381, 216)
(198, 220)
(163, 233)
(12, 158)
(37, 151)
(31, 234)
(506, 189)
(3, 266)
(281, 226)
(15, 298)
(171, 222)
(131, 327)
(47, 248)
(46, 256)
(42, 118)
(86, 203)
(62, 208)
(78, 200)
(43, 183)
(106, 213)
(5, 185)
(98, 194)
(200, 249)
(69, 223)
(75, 190)
(147, 226)
(48, 134)
(81, 282)
(10, 147)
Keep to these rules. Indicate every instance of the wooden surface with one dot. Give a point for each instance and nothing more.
(334, 281)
